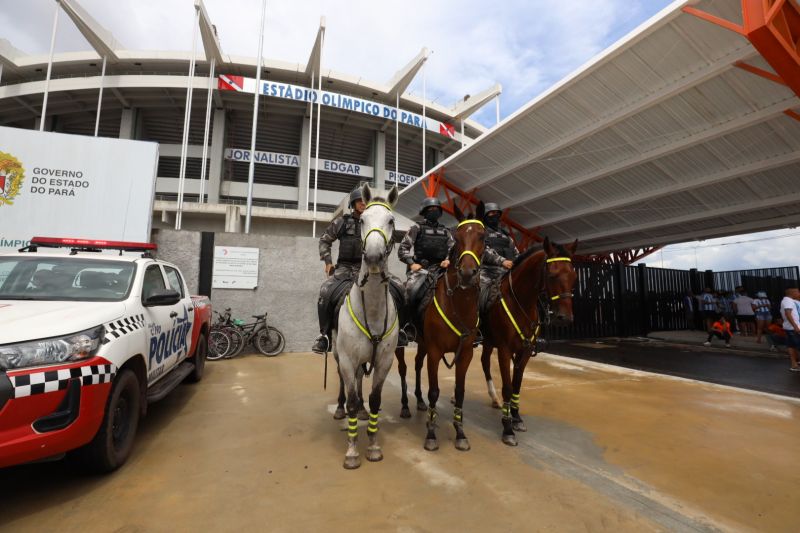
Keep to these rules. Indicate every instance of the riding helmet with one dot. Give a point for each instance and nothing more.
(355, 195)
(491, 206)
(429, 202)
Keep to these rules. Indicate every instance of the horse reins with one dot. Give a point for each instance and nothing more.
(462, 335)
(529, 342)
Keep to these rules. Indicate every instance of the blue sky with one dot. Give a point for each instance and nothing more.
(525, 45)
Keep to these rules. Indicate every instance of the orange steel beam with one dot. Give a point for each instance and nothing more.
(773, 28)
(759, 72)
(794, 114)
(435, 183)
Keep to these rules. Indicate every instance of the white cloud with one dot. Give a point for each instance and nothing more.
(524, 45)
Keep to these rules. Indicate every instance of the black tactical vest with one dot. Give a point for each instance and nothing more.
(350, 240)
(500, 243)
(431, 244)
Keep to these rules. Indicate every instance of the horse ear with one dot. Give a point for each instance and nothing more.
(394, 194)
(548, 247)
(572, 247)
(366, 193)
(481, 211)
(459, 215)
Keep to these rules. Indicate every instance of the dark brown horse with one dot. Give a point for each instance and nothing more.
(512, 324)
(449, 324)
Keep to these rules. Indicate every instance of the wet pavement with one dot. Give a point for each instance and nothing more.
(761, 371)
(254, 447)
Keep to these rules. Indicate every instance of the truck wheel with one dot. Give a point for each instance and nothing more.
(113, 442)
(200, 355)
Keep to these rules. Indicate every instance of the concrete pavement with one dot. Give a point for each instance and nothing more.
(254, 447)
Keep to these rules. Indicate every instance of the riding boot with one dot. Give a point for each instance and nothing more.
(322, 343)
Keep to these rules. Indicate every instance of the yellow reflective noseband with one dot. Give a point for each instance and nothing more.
(379, 230)
(364, 330)
(469, 221)
(447, 320)
(469, 252)
(516, 326)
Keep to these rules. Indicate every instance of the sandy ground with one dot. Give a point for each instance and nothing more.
(254, 447)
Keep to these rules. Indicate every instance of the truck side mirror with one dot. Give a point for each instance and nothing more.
(159, 297)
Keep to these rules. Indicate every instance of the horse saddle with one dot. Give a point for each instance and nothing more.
(421, 295)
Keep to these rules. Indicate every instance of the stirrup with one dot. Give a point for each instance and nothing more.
(411, 332)
(478, 339)
(321, 345)
(402, 339)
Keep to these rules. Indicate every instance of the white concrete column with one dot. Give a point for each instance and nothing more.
(127, 124)
(217, 156)
(303, 195)
(379, 158)
(48, 123)
(233, 219)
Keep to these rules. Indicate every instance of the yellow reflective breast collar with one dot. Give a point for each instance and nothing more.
(447, 320)
(516, 326)
(364, 330)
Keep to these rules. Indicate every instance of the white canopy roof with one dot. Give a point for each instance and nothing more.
(660, 139)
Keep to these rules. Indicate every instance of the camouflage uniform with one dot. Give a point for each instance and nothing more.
(499, 241)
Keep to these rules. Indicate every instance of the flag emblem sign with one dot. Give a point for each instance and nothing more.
(11, 176)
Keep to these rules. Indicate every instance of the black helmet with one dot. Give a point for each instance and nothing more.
(355, 195)
(429, 202)
(491, 206)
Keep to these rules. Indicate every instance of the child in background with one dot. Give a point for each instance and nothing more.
(721, 330)
(776, 335)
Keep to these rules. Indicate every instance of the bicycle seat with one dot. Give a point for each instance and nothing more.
(257, 317)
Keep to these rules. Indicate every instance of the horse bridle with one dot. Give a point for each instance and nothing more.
(464, 332)
(529, 342)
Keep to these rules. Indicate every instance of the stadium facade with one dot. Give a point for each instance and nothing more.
(144, 96)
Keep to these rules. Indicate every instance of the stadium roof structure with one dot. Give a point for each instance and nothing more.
(685, 129)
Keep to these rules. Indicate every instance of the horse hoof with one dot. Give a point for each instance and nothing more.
(405, 412)
(351, 463)
(339, 414)
(363, 414)
(374, 455)
(510, 440)
(422, 406)
(495, 404)
(431, 445)
(519, 425)
(462, 445)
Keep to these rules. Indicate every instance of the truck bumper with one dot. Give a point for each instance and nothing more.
(47, 411)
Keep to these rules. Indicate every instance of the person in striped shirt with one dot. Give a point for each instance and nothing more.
(763, 310)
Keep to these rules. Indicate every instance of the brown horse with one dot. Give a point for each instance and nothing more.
(449, 324)
(511, 323)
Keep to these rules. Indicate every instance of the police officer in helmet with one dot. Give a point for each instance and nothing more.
(347, 230)
(499, 241)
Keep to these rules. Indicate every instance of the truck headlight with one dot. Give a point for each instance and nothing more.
(72, 347)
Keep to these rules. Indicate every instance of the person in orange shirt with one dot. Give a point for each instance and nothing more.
(721, 330)
(776, 335)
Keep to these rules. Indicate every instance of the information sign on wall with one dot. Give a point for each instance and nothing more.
(235, 267)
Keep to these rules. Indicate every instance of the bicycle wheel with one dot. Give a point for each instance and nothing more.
(270, 341)
(219, 343)
(238, 342)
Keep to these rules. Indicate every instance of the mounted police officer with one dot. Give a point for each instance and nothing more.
(347, 230)
(500, 241)
(427, 247)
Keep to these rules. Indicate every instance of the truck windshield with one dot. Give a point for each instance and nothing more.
(64, 279)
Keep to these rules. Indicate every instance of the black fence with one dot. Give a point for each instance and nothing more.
(623, 301)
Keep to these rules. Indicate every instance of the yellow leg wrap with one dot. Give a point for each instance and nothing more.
(373, 423)
(506, 409)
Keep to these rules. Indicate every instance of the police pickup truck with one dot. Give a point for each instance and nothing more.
(90, 333)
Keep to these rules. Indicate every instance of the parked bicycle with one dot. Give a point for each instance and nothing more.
(229, 336)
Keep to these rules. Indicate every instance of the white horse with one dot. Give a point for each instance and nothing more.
(366, 336)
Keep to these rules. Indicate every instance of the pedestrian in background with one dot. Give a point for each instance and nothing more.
(745, 315)
(721, 329)
(790, 311)
(762, 307)
(776, 335)
(709, 308)
(725, 306)
(689, 305)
